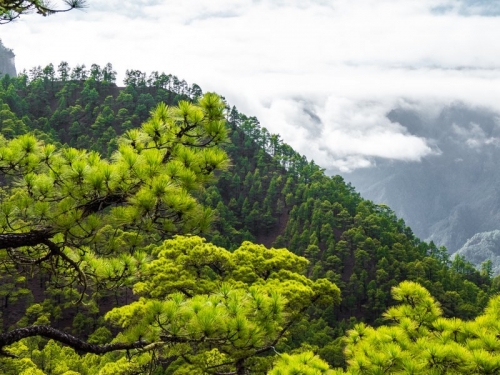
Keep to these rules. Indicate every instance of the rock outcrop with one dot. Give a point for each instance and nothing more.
(7, 63)
(482, 247)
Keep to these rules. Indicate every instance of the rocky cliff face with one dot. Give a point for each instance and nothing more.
(7, 64)
(482, 247)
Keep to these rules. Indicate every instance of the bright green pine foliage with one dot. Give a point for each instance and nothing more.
(421, 341)
(198, 298)
(196, 267)
(270, 195)
(54, 359)
(73, 205)
(306, 363)
(202, 309)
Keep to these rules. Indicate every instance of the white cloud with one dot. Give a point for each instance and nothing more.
(323, 74)
(345, 134)
(474, 136)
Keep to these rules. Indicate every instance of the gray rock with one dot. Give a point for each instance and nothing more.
(7, 61)
(481, 247)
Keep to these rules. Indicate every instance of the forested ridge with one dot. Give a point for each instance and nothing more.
(264, 193)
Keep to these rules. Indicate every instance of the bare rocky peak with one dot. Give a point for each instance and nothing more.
(482, 247)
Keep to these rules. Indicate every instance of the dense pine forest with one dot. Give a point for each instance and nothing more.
(144, 230)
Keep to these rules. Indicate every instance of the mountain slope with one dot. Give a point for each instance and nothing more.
(271, 194)
(451, 195)
(482, 247)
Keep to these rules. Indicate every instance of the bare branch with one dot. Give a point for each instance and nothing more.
(31, 238)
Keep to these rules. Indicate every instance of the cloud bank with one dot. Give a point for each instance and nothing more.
(323, 74)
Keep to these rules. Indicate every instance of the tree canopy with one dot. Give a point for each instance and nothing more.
(88, 220)
(71, 206)
(418, 340)
(95, 226)
(88, 199)
(13, 9)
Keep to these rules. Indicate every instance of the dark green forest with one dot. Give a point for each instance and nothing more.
(163, 227)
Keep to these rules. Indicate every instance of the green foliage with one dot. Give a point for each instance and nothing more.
(66, 201)
(197, 297)
(84, 225)
(99, 219)
(421, 341)
(223, 314)
(270, 195)
(304, 363)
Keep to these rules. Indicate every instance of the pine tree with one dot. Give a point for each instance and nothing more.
(88, 220)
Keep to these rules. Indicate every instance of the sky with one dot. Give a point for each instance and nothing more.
(322, 74)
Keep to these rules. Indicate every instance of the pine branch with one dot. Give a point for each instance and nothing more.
(31, 238)
(66, 339)
(54, 249)
(12, 9)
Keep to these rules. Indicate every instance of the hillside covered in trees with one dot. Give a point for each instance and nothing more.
(97, 267)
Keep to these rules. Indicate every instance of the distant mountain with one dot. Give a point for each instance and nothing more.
(7, 64)
(452, 195)
(482, 247)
